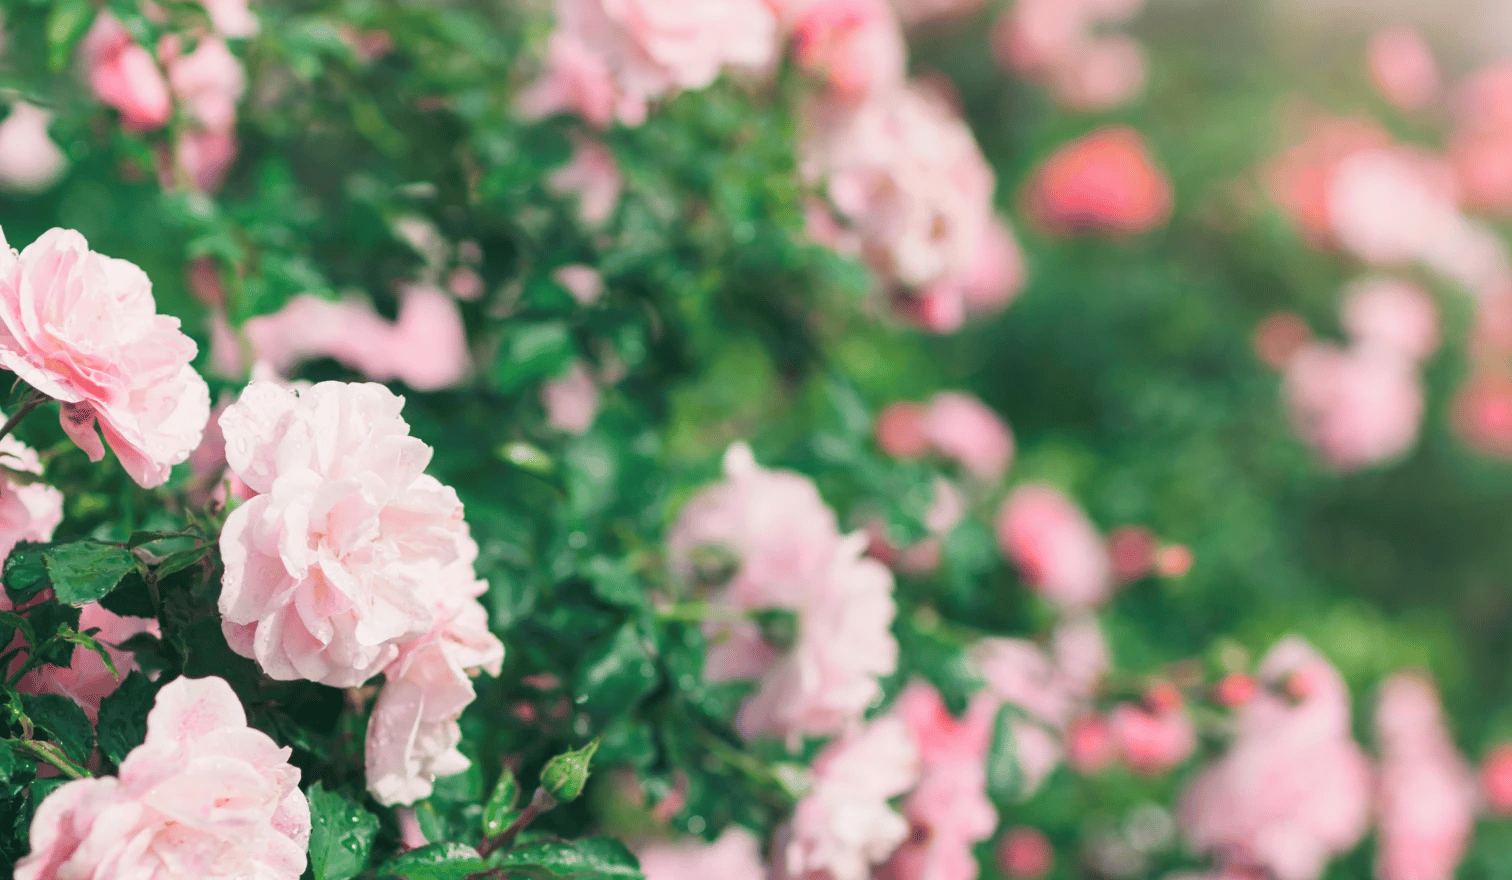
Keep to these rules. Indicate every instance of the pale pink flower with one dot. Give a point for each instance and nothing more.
(593, 176)
(855, 45)
(1153, 740)
(1080, 650)
(1392, 205)
(413, 734)
(1355, 408)
(1300, 180)
(901, 430)
(1019, 674)
(1392, 316)
(609, 58)
(28, 511)
(205, 157)
(907, 178)
(1481, 145)
(1057, 42)
(83, 329)
(329, 569)
(207, 83)
(231, 18)
(997, 271)
(124, 75)
(584, 282)
(1056, 548)
(1104, 73)
(1428, 794)
(844, 826)
(1402, 67)
(204, 796)
(1107, 181)
(965, 430)
(1293, 789)
(1024, 853)
(427, 344)
(825, 683)
(29, 160)
(949, 808)
(734, 856)
(571, 401)
(87, 680)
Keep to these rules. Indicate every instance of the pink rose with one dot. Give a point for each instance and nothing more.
(1056, 548)
(949, 807)
(734, 856)
(855, 45)
(124, 75)
(427, 347)
(1355, 408)
(1106, 181)
(906, 176)
(1153, 740)
(413, 734)
(204, 796)
(231, 18)
(1090, 745)
(29, 160)
(1293, 789)
(1057, 42)
(1025, 853)
(844, 826)
(901, 430)
(1428, 794)
(1402, 67)
(825, 683)
(329, 569)
(962, 428)
(1392, 205)
(84, 329)
(87, 680)
(204, 157)
(1482, 141)
(28, 511)
(1300, 180)
(571, 401)
(208, 82)
(1393, 316)
(593, 176)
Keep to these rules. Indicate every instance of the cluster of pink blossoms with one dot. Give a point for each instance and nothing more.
(347, 561)
(1056, 41)
(203, 796)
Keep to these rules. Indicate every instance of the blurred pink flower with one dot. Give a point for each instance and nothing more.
(844, 826)
(949, 808)
(1355, 408)
(1482, 413)
(203, 796)
(907, 178)
(593, 176)
(427, 344)
(583, 282)
(28, 511)
(734, 856)
(231, 18)
(966, 431)
(1106, 181)
(207, 83)
(571, 401)
(29, 160)
(1057, 550)
(1080, 650)
(1293, 789)
(1279, 336)
(856, 46)
(1057, 42)
(1496, 779)
(1090, 745)
(1428, 794)
(86, 680)
(1392, 316)
(1481, 144)
(124, 75)
(1104, 73)
(1024, 853)
(1152, 740)
(989, 284)
(84, 329)
(1301, 179)
(901, 430)
(1019, 674)
(205, 158)
(1402, 67)
(1131, 551)
(1390, 205)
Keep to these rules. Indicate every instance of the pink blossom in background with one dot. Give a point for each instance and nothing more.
(593, 177)
(845, 645)
(29, 160)
(124, 75)
(1301, 179)
(28, 511)
(1080, 650)
(1392, 316)
(204, 796)
(207, 83)
(1428, 793)
(1153, 739)
(427, 345)
(413, 735)
(584, 283)
(734, 856)
(1019, 674)
(1402, 67)
(965, 430)
(1174, 560)
(231, 18)
(855, 46)
(609, 58)
(989, 284)
(1131, 551)
(1106, 182)
(1389, 206)
(1355, 408)
(1234, 690)
(83, 329)
(1279, 336)
(205, 157)
(845, 826)
(1482, 413)
(86, 680)
(1055, 547)
(907, 178)
(1294, 789)
(1025, 853)
(901, 430)
(1107, 72)
(571, 401)
(1481, 144)
(1496, 779)
(330, 569)
(1057, 42)
(1090, 745)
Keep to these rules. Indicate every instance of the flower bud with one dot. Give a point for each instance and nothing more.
(565, 775)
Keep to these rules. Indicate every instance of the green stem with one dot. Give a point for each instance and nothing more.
(31, 402)
(49, 753)
(540, 802)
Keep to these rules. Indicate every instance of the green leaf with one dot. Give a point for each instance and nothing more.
(64, 723)
(181, 560)
(438, 861)
(531, 351)
(130, 598)
(615, 675)
(1005, 773)
(25, 571)
(341, 835)
(47, 620)
(66, 23)
(615, 582)
(590, 858)
(89, 643)
(123, 716)
(500, 811)
(86, 571)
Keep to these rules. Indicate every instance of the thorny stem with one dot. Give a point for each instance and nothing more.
(540, 802)
(31, 402)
